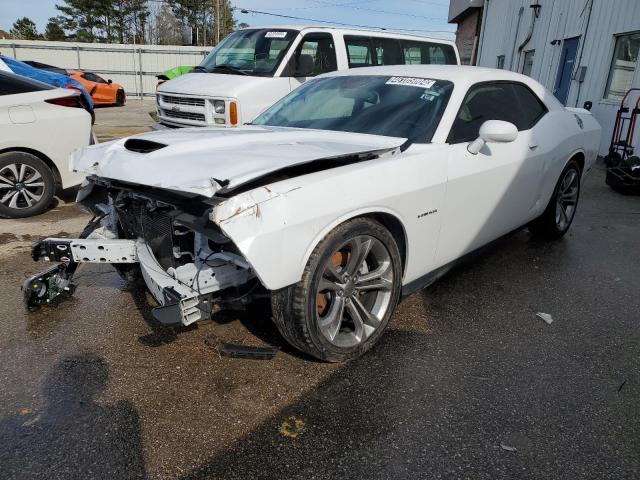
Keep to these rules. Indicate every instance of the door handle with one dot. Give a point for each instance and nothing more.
(533, 146)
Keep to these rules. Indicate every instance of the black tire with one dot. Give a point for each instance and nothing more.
(295, 308)
(11, 162)
(120, 98)
(547, 226)
(619, 186)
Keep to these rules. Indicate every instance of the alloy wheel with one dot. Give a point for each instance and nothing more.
(21, 186)
(567, 199)
(354, 291)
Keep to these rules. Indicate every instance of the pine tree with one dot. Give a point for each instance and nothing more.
(85, 18)
(54, 30)
(25, 29)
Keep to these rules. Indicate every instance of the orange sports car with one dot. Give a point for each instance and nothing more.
(103, 92)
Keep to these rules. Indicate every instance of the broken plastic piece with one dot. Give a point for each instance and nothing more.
(241, 351)
(546, 317)
(508, 448)
(48, 287)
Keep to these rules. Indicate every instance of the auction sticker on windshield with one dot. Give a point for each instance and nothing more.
(275, 34)
(411, 82)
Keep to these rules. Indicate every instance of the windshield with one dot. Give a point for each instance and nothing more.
(405, 107)
(249, 52)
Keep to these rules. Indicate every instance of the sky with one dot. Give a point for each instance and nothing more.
(423, 15)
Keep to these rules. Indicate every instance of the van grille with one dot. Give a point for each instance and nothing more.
(183, 100)
(198, 117)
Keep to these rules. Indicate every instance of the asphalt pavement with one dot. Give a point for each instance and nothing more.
(467, 382)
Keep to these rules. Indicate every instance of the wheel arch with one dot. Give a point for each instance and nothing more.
(388, 218)
(580, 158)
(56, 173)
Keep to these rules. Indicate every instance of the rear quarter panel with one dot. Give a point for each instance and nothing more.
(561, 135)
(55, 132)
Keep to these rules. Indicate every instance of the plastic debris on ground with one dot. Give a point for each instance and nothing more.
(546, 317)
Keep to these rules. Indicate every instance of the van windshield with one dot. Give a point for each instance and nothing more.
(405, 107)
(255, 52)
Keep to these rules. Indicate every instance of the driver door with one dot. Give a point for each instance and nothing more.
(495, 191)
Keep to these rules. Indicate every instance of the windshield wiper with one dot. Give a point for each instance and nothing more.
(200, 68)
(231, 68)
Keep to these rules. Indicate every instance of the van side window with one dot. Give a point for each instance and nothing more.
(388, 51)
(416, 53)
(321, 48)
(359, 51)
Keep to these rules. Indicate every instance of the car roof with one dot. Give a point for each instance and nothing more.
(354, 30)
(460, 75)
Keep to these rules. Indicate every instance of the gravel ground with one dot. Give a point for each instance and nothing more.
(466, 383)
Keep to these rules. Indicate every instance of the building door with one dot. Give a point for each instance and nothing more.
(565, 69)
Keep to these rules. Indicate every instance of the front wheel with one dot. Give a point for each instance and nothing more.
(558, 216)
(346, 296)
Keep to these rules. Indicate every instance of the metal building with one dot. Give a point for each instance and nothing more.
(581, 50)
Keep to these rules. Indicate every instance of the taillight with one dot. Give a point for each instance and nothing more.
(69, 101)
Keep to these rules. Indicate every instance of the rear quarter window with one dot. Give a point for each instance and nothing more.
(11, 84)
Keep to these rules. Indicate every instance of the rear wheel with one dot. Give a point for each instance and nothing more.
(347, 294)
(558, 216)
(26, 185)
(120, 98)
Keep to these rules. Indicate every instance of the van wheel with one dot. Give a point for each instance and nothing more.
(26, 185)
(347, 294)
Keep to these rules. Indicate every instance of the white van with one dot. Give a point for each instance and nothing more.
(253, 67)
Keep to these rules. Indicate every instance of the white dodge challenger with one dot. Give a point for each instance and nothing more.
(358, 188)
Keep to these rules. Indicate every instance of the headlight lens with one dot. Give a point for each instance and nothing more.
(218, 106)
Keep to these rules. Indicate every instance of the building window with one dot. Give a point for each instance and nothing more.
(500, 62)
(528, 62)
(623, 65)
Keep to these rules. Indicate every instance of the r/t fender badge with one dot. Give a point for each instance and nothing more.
(428, 213)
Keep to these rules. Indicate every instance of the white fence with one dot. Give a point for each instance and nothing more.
(133, 66)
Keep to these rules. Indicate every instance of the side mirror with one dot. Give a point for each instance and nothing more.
(304, 66)
(493, 131)
(109, 81)
(588, 105)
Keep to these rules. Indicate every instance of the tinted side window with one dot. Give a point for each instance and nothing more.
(530, 107)
(416, 53)
(359, 51)
(388, 51)
(14, 84)
(320, 46)
(442, 54)
(505, 101)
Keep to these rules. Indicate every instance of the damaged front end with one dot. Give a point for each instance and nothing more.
(188, 264)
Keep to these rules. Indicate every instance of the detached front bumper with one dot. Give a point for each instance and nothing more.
(183, 300)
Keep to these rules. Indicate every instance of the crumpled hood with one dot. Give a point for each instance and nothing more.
(204, 160)
(212, 84)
